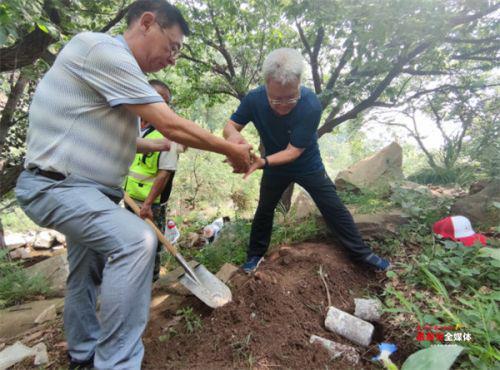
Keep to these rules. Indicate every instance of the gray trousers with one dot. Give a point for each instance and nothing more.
(108, 247)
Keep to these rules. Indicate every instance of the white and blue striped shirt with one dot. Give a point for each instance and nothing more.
(77, 124)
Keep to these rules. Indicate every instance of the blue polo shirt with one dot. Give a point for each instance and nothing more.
(297, 128)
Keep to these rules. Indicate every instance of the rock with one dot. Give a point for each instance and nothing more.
(44, 240)
(348, 326)
(477, 186)
(409, 186)
(193, 239)
(226, 272)
(48, 314)
(481, 208)
(337, 350)
(170, 284)
(374, 172)
(303, 206)
(378, 225)
(18, 319)
(368, 309)
(14, 354)
(41, 355)
(55, 270)
(60, 238)
(14, 241)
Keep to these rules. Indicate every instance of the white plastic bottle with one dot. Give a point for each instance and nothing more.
(211, 232)
(172, 232)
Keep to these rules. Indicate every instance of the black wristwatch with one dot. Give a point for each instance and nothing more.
(266, 162)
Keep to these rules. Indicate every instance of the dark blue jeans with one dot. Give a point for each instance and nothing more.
(324, 194)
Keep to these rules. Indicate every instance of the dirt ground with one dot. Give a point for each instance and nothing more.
(266, 326)
(271, 318)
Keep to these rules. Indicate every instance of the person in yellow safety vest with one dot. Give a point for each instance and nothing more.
(151, 175)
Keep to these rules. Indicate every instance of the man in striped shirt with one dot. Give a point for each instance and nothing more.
(82, 138)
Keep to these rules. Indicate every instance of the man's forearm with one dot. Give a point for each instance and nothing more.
(285, 156)
(233, 134)
(152, 145)
(158, 186)
(181, 130)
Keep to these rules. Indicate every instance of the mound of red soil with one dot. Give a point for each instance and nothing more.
(273, 314)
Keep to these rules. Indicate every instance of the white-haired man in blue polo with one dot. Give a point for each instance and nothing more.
(287, 116)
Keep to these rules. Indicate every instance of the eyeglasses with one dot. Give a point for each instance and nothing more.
(175, 49)
(284, 102)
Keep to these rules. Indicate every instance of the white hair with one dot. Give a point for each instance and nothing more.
(283, 65)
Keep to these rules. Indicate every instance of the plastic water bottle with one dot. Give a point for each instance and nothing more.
(172, 232)
(211, 232)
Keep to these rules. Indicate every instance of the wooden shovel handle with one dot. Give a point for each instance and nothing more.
(131, 203)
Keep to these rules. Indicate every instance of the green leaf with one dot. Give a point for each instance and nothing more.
(390, 274)
(434, 358)
(490, 252)
(43, 27)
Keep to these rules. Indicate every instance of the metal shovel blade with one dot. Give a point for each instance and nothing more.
(209, 289)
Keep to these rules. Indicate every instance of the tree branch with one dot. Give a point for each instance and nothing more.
(313, 54)
(10, 107)
(329, 125)
(118, 17)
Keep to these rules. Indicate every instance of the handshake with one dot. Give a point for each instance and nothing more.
(241, 157)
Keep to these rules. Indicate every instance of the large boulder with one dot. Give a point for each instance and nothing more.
(374, 172)
(18, 319)
(482, 208)
(303, 206)
(55, 270)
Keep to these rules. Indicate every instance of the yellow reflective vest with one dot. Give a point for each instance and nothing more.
(142, 173)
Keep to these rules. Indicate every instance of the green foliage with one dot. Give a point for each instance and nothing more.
(192, 321)
(366, 202)
(463, 174)
(13, 218)
(292, 230)
(232, 244)
(420, 204)
(450, 284)
(242, 350)
(230, 247)
(434, 358)
(15, 286)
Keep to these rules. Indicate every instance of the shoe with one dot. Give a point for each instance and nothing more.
(251, 264)
(379, 263)
(81, 365)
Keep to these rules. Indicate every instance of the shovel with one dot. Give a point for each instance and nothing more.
(198, 280)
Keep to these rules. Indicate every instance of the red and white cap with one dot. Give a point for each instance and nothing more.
(459, 229)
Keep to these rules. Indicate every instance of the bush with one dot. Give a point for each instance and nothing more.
(461, 175)
(15, 286)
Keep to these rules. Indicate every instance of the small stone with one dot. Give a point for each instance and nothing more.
(226, 272)
(41, 355)
(253, 315)
(14, 241)
(43, 240)
(336, 349)
(14, 354)
(50, 313)
(368, 309)
(349, 326)
(60, 238)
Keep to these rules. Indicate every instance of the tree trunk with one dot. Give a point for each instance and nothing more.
(15, 96)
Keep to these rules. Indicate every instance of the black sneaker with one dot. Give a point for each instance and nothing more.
(251, 264)
(379, 263)
(81, 365)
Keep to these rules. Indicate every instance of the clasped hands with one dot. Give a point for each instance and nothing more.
(244, 160)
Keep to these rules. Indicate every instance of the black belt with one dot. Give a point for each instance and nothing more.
(49, 174)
